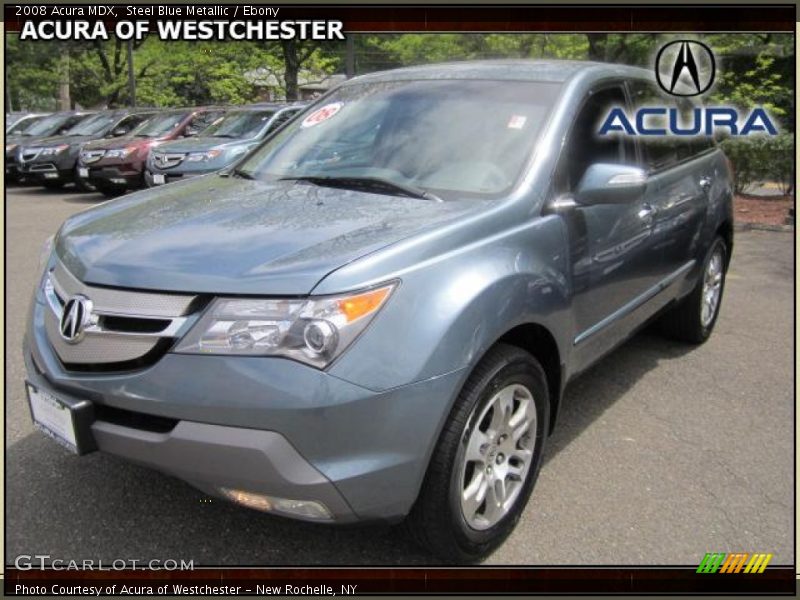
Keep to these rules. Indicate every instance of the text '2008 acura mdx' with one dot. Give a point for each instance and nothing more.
(373, 315)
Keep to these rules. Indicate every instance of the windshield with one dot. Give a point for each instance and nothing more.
(93, 125)
(22, 125)
(159, 125)
(239, 124)
(453, 136)
(49, 125)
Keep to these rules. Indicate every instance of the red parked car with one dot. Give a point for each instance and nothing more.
(116, 165)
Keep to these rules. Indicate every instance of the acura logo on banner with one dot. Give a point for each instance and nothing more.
(685, 68)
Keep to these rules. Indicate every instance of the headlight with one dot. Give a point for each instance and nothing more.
(53, 150)
(203, 156)
(120, 152)
(314, 331)
(11, 147)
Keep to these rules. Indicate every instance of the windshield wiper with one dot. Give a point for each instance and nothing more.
(373, 184)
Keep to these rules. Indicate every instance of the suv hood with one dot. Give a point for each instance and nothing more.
(200, 144)
(60, 139)
(225, 235)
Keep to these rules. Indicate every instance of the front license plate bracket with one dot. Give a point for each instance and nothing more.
(66, 420)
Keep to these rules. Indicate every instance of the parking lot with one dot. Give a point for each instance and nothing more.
(663, 452)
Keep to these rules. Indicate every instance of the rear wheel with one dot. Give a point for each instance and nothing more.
(486, 460)
(693, 319)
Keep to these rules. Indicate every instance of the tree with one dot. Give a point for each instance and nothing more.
(311, 55)
(33, 74)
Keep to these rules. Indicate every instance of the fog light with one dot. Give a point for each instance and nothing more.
(308, 509)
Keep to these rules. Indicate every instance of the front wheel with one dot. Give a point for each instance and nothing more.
(693, 319)
(110, 190)
(487, 458)
(52, 185)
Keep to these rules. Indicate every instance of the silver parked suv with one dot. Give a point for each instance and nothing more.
(373, 315)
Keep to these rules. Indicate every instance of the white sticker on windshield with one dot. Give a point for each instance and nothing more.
(517, 122)
(322, 114)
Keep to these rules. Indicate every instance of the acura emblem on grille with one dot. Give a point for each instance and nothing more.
(76, 314)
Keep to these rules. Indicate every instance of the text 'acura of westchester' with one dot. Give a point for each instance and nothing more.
(373, 315)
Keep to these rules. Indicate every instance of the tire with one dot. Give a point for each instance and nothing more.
(109, 190)
(439, 521)
(686, 321)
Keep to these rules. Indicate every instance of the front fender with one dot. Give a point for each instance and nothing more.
(448, 310)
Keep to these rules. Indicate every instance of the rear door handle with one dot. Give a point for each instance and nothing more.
(705, 183)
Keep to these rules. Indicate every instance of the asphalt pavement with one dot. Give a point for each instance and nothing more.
(663, 452)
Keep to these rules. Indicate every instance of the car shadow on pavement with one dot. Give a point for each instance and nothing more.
(593, 392)
(101, 507)
(69, 193)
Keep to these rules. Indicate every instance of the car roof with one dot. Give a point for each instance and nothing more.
(555, 71)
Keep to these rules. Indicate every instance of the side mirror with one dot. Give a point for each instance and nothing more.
(119, 131)
(604, 183)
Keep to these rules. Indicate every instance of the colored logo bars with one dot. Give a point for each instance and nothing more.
(738, 562)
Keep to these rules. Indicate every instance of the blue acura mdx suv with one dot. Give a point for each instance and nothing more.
(373, 315)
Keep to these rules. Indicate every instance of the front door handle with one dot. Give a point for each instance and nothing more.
(646, 212)
(705, 183)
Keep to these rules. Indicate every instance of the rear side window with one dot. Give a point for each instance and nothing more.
(281, 119)
(204, 119)
(132, 121)
(662, 152)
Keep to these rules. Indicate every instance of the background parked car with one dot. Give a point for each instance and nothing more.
(52, 161)
(219, 145)
(112, 166)
(18, 122)
(55, 124)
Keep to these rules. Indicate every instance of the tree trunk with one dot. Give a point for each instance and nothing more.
(598, 46)
(291, 68)
(64, 102)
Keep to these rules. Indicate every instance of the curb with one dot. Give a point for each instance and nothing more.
(762, 227)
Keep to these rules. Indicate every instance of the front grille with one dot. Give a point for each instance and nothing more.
(121, 330)
(167, 160)
(91, 156)
(28, 154)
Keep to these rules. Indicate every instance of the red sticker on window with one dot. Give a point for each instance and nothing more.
(322, 114)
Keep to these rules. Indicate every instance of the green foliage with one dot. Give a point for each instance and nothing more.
(761, 158)
(32, 72)
(755, 69)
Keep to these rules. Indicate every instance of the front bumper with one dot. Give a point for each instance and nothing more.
(266, 425)
(48, 170)
(127, 175)
(170, 176)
